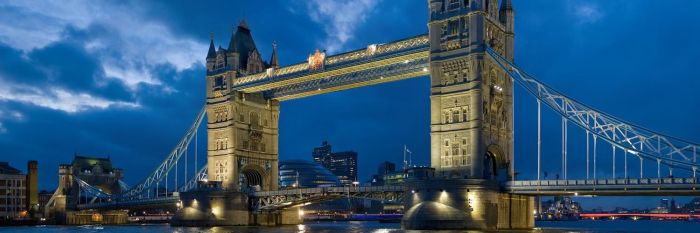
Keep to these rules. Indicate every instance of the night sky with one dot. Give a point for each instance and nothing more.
(125, 79)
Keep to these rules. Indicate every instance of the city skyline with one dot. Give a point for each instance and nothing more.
(101, 106)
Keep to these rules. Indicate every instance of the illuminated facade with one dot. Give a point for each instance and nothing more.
(471, 98)
(242, 127)
(12, 192)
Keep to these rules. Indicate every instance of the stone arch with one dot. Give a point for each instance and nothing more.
(495, 162)
(253, 176)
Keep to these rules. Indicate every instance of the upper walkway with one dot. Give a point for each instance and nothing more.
(378, 63)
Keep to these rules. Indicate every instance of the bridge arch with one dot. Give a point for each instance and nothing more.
(253, 176)
(495, 162)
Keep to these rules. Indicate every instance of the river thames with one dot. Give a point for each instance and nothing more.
(372, 227)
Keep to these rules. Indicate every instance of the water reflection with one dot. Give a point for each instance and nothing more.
(374, 227)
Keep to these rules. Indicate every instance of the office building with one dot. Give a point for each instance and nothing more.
(342, 164)
(13, 186)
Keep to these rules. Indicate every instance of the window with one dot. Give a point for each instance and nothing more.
(447, 142)
(464, 141)
(453, 26)
(455, 115)
(453, 5)
(464, 152)
(465, 115)
(219, 83)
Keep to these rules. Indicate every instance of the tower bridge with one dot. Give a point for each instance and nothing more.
(468, 55)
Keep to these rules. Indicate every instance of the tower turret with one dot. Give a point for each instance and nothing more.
(211, 55)
(274, 62)
(507, 15)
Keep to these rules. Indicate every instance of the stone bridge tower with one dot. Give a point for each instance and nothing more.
(471, 123)
(471, 98)
(242, 128)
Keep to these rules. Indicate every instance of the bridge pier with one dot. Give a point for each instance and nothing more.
(227, 208)
(465, 204)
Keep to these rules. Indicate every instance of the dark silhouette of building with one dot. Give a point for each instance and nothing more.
(342, 164)
(385, 168)
(321, 152)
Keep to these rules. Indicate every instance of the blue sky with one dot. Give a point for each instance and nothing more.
(125, 78)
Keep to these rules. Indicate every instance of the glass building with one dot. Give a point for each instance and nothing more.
(305, 174)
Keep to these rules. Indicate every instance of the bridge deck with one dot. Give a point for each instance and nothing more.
(610, 187)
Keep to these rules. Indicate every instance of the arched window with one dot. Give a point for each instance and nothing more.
(254, 120)
(455, 115)
(465, 114)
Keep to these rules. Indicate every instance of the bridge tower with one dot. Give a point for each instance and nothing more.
(471, 121)
(242, 127)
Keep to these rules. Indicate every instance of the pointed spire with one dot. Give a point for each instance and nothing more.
(232, 42)
(212, 50)
(507, 5)
(274, 62)
(243, 24)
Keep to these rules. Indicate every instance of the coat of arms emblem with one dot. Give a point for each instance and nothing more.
(316, 60)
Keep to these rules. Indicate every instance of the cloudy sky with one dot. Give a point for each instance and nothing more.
(124, 79)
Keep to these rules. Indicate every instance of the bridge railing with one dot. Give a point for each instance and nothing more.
(330, 190)
(635, 181)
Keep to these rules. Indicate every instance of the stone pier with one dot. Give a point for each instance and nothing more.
(465, 204)
(227, 208)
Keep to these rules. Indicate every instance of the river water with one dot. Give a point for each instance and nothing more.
(373, 227)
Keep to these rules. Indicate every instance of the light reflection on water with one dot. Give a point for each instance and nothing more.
(374, 227)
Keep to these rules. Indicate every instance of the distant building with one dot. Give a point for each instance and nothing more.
(95, 171)
(394, 178)
(13, 192)
(44, 197)
(305, 174)
(341, 164)
(386, 167)
(321, 152)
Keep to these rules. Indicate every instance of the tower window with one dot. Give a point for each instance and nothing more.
(453, 5)
(453, 27)
(219, 83)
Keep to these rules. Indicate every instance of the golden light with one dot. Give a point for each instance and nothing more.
(194, 203)
(301, 212)
(96, 217)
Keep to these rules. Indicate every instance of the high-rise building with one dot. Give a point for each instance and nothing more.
(341, 164)
(12, 192)
(386, 167)
(321, 152)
